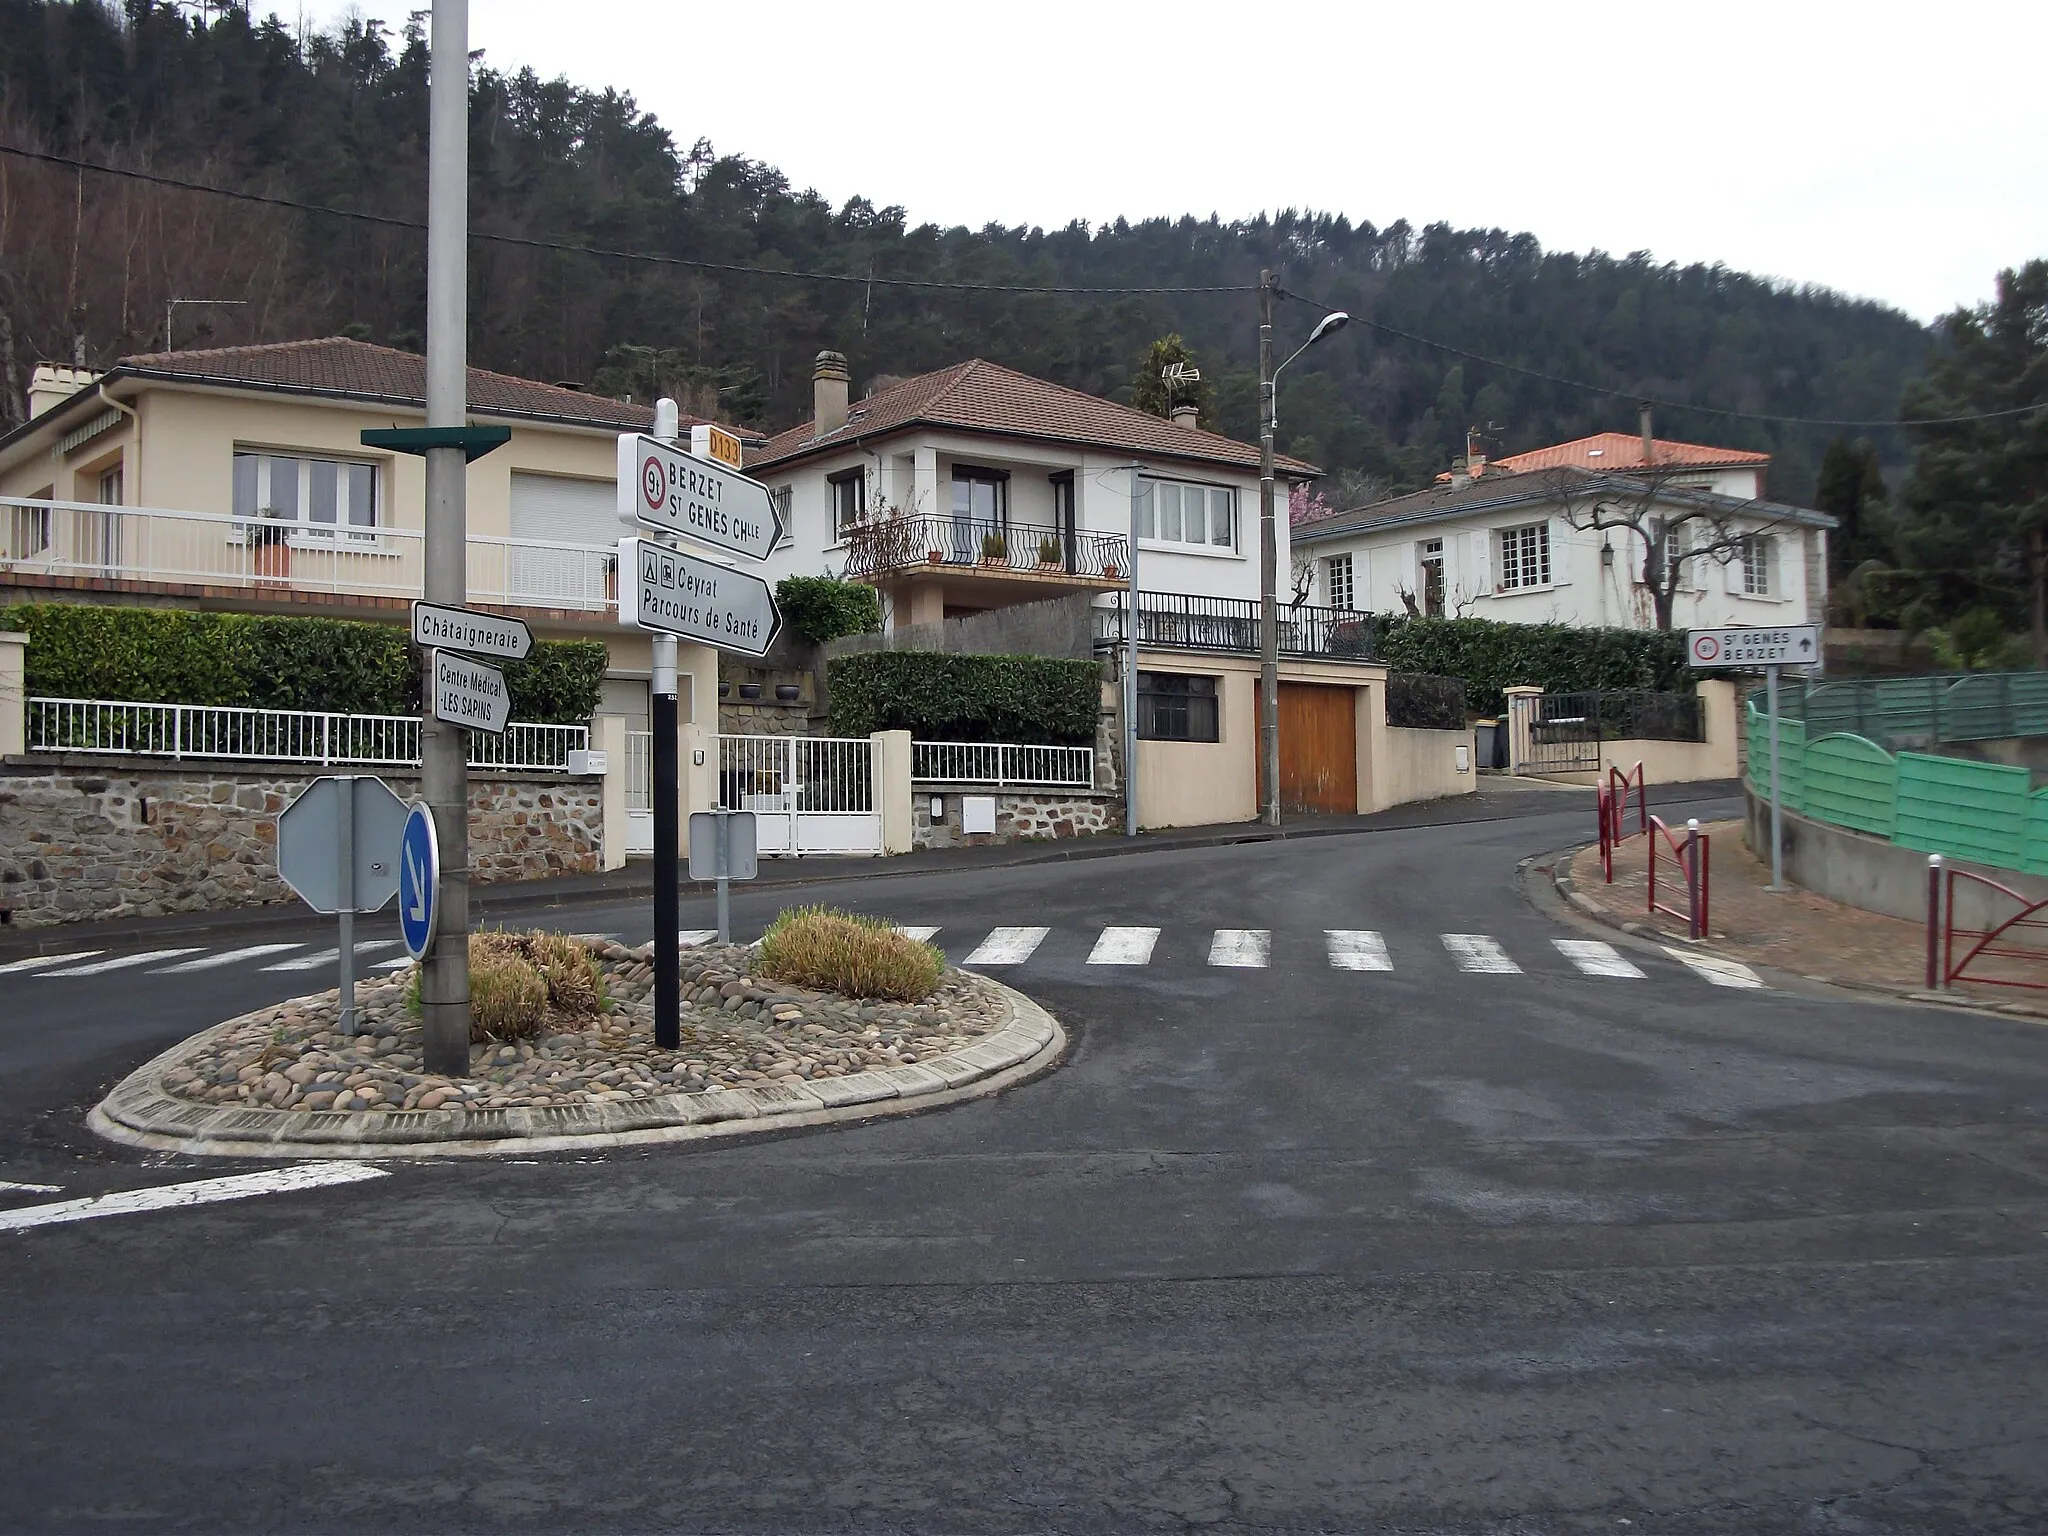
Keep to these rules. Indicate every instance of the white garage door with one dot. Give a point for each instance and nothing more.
(559, 509)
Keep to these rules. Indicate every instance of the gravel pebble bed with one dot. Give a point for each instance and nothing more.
(738, 1030)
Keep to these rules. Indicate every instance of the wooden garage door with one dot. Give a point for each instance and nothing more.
(1318, 749)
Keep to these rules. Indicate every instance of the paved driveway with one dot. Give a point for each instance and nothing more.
(1361, 1204)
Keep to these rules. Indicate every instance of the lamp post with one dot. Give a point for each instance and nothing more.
(1269, 550)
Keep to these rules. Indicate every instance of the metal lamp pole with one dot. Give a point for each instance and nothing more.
(444, 765)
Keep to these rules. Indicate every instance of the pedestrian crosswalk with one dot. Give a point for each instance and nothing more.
(1010, 948)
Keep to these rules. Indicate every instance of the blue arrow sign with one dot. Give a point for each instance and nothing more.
(419, 879)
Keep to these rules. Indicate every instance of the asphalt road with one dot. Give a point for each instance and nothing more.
(1279, 1248)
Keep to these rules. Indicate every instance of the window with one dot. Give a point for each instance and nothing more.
(321, 496)
(1677, 551)
(980, 498)
(849, 500)
(1525, 557)
(781, 497)
(1173, 706)
(110, 487)
(1181, 512)
(1337, 581)
(1757, 559)
(1432, 557)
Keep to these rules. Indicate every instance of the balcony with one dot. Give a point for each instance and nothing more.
(894, 547)
(1174, 621)
(61, 544)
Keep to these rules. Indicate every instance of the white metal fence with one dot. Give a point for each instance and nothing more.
(1002, 764)
(84, 539)
(809, 794)
(639, 791)
(118, 728)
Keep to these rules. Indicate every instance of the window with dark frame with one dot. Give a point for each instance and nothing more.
(1432, 578)
(849, 500)
(1177, 706)
(782, 496)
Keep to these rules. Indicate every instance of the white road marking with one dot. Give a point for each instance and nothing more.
(225, 957)
(918, 931)
(687, 936)
(122, 962)
(1596, 958)
(326, 956)
(1478, 952)
(1722, 973)
(403, 962)
(1357, 949)
(240, 1186)
(8, 1187)
(1007, 946)
(1124, 946)
(37, 962)
(1246, 948)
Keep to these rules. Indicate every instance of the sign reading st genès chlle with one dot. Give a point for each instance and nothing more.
(671, 491)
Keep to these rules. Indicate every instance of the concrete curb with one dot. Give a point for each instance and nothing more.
(1560, 875)
(138, 1113)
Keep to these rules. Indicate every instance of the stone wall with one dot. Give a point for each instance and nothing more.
(81, 840)
(1021, 815)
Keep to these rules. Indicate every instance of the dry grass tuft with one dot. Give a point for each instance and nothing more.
(508, 996)
(854, 956)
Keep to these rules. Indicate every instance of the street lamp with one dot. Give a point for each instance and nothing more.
(1269, 553)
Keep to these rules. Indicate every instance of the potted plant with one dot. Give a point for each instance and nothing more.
(1048, 553)
(936, 556)
(271, 550)
(995, 549)
(1110, 571)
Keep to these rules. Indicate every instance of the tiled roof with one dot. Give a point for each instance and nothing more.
(1620, 450)
(336, 366)
(980, 396)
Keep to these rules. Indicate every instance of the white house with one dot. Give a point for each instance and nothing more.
(979, 487)
(1552, 536)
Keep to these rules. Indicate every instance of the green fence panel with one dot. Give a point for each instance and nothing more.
(2030, 703)
(1977, 708)
(1852, 782)
(2035, 859)
(1972, 810)
(1791, 756)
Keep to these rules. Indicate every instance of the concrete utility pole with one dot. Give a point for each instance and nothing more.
(444, 767)
(1269, 571)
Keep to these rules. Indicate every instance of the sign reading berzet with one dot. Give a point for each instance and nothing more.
(1787, 645)
(464, 629)
(701, 600)
(470, 693)
(672, 491)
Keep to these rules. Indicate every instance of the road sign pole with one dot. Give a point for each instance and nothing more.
(345, 824)
(1130, 694)
(1777, 825)
(724, 883)
(668, 836)
(444, 765)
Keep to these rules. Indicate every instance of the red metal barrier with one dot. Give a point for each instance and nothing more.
(1602, 812)
(1610, 807)
(1944, 969)
(1694, 864)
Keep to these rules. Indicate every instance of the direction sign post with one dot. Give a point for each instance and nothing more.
(337, 848)
(1739, 646)
(663, 488)
(469, 693)
(696, 599)
(464, 629)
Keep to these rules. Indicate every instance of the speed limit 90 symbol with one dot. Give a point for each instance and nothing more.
(653, 484)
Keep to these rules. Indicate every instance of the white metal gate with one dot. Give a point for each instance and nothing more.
(810, 794)
(639, 792)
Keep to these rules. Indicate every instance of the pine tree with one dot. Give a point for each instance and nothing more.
(1160, 383)
(1851, 489)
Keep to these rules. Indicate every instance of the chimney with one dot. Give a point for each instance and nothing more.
(1187, 416)
(1649, 442)
(53, 384)
(829, 381)
(1475, 456)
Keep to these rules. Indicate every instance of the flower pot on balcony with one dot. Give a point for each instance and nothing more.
(936, 557)
(750, 690)
(1110, 572)
(725, 690)
(787, 693)
(271, 554)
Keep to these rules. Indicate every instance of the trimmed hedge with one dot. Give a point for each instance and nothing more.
(1035, 700)
(1420, 701)
(821, 608)
(261, 661)
(1560, 658)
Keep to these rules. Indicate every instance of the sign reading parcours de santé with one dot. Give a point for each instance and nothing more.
(464, 629)
(682, 594)
(1786, 645)
(470, 693)
(671, 491)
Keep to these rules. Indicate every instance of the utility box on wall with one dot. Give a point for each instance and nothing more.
(977, 814)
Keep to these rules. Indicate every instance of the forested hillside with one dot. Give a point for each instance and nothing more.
(340, 120)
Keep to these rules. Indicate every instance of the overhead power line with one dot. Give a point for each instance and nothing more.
(569, 248)
(1651, 400)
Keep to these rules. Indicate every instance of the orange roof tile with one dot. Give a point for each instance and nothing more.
(1621, 450)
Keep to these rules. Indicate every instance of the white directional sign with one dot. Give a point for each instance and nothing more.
(697, 599)
(470, 693)
(675, 492)
(1788, 645)
(477, 634)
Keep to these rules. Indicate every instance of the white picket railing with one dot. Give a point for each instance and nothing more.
(1001, 764)
(118, 728)
(86, 540)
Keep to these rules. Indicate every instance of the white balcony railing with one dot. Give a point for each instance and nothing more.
(1001, 763)
(86, 540)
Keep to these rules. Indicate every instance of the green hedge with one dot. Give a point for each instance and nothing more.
(173, 656)
(821, 608)
(1419, 701)
(1036, 700)
(1561, 658)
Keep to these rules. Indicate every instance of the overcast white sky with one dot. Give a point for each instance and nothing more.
(1887, 150)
